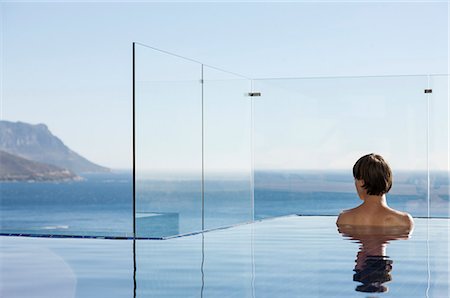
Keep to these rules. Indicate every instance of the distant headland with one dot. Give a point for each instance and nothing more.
(32, 153)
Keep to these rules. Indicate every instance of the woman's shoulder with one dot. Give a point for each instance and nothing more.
(346, 216)
(399, 218)
(405, 219)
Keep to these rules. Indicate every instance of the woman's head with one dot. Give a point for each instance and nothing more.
(375, 174)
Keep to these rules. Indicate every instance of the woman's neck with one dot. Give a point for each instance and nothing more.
(375, 201)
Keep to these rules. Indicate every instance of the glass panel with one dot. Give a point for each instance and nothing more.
(439, 146)
(227, 149)
(168, 127)
(310, 132)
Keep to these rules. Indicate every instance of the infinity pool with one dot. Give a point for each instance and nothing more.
(293, 256)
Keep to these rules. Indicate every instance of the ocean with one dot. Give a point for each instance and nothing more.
(102, 203)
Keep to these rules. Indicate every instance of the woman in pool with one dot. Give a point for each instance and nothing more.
(373, 180)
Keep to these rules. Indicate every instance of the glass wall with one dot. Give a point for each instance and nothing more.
(309, 133)
(439, 149)
(227, 149)
(168, 144)
(192, 145)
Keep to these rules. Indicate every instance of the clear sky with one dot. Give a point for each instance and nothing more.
(69, 65)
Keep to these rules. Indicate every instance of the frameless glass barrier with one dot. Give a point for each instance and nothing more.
(439, 145)
(168, 144)
(227, 149)
(310, 132)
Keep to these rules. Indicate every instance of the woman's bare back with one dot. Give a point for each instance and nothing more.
(382, 216)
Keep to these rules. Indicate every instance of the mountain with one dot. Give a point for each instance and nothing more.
(15, 168)
(37, 143)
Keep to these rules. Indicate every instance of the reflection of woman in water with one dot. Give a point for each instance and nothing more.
(373, 180)
(373, 267)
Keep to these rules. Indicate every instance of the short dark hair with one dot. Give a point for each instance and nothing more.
(375, 172)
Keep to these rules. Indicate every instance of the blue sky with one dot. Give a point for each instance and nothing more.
(69, 64)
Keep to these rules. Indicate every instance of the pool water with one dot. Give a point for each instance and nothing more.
(292, 256)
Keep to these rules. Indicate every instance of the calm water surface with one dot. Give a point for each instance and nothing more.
(292, 256)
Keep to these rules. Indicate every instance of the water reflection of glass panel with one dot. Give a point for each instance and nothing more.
(168, 144)
(227, 149)
(310, 132)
